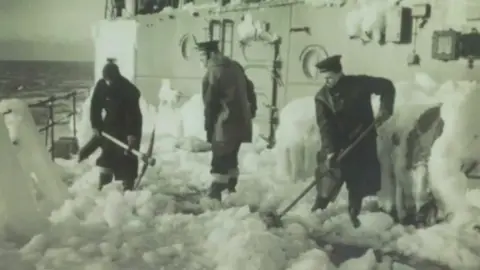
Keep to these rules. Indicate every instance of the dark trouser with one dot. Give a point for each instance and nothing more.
(360, 171)
(115, 163)
(108, 174)
(224, 164)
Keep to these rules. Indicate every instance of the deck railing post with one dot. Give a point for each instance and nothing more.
(47, 133)
(49, 128)
(74, 115)
(51, 122)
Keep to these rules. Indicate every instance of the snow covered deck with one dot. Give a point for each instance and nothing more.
(145, 229)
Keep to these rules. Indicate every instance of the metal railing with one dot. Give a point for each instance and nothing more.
(49, 128)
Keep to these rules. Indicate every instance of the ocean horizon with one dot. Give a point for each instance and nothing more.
(18, 78)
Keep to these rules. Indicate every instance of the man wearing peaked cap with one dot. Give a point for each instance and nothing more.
(229, 107)
(344, 112)
(331, 63)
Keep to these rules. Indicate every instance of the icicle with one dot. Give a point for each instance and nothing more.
(352, 23)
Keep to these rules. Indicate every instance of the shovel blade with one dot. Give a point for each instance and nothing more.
(271, 219)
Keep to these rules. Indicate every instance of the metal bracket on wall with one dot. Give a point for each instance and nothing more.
(305, 29)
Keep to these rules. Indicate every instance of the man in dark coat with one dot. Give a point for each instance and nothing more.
(118, 99)
(344, 111)
(230, 105)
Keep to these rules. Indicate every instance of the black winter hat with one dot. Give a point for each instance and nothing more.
(111, 71)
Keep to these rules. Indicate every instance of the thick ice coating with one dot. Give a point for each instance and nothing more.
(20, 215)
(32, 154)
(146, 228)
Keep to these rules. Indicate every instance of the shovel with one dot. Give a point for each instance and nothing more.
(273, 219)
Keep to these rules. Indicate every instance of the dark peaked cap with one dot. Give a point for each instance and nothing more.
(208, 46)
(331, 64)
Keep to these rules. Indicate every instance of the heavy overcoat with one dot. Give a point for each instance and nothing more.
(343, 112)
(115, 110)
(229, 103)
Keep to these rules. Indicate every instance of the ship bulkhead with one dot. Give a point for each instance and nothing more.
(278, 43)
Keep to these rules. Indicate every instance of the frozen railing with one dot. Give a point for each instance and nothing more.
(52, 121)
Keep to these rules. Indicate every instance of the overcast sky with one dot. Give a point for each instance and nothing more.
(48, 29)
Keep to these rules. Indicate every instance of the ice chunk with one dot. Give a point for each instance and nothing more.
(33, 155)
(366, 262)
(458, 143)
(192, 118)
(19, 210)
(168, 119)
(353, 21)
(235, 256)
(314, 259)
(13, 260)
(297, 140)
(246, 29)
(84, 128)
(168, 96)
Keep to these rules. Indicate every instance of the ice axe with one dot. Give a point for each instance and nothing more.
(145, 165)
(273, 219)
(146, 158)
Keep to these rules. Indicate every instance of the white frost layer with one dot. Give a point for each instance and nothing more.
(314, 259)
(458, 145)
(367, 21)
(193, 118)
(84, 129)
(140, 230)
(20, 215)
(167, 117)
(297, 140)
(32, 154)
(401, 187)
(326, 3)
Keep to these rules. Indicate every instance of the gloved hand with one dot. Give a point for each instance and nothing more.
(331, 161)
(131, 141)
(382, 117)
(97, 132)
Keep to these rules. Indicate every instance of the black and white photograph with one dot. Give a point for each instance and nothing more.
(240, 134)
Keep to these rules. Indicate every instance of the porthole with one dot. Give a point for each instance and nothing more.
(186, 47)
(309, 57)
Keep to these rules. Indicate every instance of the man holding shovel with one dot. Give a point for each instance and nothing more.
(344, 113)
(118, 98)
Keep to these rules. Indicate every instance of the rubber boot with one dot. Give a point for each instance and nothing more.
(320, 203)
(232, 184)
(216, 190)
(354, 208)
(128, 184)
(353, 213)
(394, 214)
(104, 179)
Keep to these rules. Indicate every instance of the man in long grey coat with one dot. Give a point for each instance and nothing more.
(344, 111)
(230, 105)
